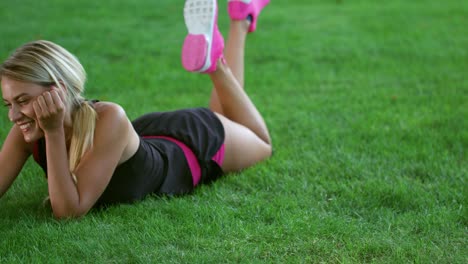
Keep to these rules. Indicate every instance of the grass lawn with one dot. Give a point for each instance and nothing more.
(367, 102)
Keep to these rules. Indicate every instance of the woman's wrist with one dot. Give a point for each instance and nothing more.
(58, 132)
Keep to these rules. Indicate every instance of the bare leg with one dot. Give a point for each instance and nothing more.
(247, 139)
(235, 47)
(234, 53)
(242, 147)
(236, 104)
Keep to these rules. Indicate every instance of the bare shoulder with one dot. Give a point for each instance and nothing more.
(111, 117)
(114, 127)
(109, 108)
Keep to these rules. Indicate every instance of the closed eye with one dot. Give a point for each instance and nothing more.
(23, 102)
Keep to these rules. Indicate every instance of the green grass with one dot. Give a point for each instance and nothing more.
(367, 105)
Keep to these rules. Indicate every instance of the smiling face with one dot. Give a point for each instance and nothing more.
(18, 97)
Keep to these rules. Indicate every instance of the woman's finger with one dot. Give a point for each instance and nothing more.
(48, 99)
(60, 92)
(57, 100)
(42, 105)
(37, 109)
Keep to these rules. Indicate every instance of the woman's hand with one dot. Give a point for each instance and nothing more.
(50, 109)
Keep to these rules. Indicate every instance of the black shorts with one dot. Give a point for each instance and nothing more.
(198, 128)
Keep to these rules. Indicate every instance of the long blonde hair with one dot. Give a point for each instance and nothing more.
(45, 63)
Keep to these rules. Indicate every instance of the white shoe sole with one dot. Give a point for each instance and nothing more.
(199, 16)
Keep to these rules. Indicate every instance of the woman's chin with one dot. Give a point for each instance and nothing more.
(32, 136)
(29, 139)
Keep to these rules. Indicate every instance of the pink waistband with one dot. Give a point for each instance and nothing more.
(219, 156)
(192, 159)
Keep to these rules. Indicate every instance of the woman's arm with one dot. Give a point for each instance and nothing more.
(93, 173)
(95, 169)
(13, 155)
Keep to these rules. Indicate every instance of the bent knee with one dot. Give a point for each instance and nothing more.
(241, 154)
(243, 148)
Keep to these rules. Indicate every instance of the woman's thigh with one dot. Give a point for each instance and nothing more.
(243, 148)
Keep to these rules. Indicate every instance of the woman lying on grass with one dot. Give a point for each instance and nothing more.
(90, 151)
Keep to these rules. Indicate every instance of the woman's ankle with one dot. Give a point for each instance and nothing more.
(242, 25)
(221, 67)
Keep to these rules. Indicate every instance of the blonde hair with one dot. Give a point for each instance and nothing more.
(45, 63)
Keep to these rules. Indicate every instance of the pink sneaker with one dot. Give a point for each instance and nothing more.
(204, 44)
(240, 9)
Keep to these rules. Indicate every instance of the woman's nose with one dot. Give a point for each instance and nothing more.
(14, 114)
